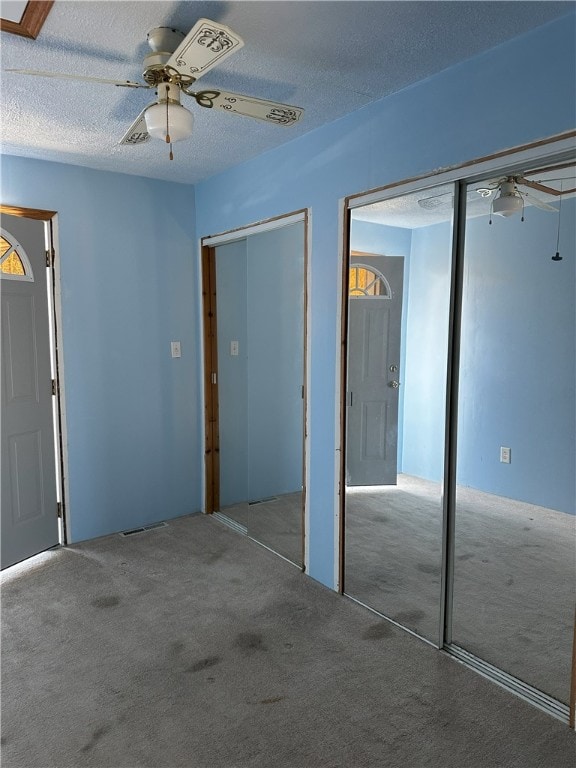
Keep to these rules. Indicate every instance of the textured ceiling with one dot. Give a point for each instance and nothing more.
(330, 58)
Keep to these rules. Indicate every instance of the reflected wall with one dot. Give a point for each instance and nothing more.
(260, 327)
(513, 594)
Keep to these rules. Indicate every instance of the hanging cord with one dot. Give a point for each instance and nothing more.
(557, 256)
(168, 139)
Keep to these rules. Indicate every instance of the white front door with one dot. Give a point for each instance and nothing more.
(374, 327)
(29, 521)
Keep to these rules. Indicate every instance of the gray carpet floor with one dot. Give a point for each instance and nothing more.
(276, 523)
(190, 645)
(514, 581)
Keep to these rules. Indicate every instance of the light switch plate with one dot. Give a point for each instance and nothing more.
(175, 349)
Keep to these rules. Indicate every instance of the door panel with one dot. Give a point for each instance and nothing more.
(29, 522)
(374, 326)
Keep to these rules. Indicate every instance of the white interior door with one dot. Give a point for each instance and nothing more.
(374, 330)
(29, 521)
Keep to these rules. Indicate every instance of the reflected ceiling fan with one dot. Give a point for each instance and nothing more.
(172, 68)
(511, 193)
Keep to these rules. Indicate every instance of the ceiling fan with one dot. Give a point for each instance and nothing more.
(173, 66)
(511, 196)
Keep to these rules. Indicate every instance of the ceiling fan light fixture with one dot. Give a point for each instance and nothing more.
(169, 119)
(507, 205)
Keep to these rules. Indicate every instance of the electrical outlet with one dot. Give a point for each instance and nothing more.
(175, 349)
(234, 348)
(505, 455)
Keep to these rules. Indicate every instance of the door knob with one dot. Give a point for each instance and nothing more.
(394, 384)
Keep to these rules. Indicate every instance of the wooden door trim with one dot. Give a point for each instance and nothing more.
(31, 22)
(211, 424)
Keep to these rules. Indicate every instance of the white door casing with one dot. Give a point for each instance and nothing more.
(29, 521)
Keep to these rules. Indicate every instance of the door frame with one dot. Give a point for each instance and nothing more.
(211, 437)
(55, 306)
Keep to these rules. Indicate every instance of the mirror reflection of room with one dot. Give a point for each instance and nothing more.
(515, 534)
(260, 327)
(509, 603)
(396, 382)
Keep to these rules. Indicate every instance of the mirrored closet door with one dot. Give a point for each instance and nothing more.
(259, 359)
(460, 509)
(515, 534)
(398, 306)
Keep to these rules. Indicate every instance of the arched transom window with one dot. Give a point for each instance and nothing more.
(14, 263)
(366, 282)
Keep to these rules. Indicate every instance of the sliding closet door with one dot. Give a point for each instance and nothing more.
(397, 338)
(260, 299)
(513, 590)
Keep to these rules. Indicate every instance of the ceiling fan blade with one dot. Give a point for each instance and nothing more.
(541, 187)
(61, 75)
(207, 44)
(537, 203)
(250, 106)
(138, 131)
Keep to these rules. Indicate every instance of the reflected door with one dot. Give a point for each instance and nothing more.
(374, 325)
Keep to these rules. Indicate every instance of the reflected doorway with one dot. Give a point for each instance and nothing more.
(374, 329)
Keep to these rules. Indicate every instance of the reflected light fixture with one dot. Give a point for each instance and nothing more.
(168, 119)
(509, 200)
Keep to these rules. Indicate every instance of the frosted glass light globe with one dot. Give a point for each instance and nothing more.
(180, 121)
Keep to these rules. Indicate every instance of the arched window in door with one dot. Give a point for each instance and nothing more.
(366, 282)
(14, 263)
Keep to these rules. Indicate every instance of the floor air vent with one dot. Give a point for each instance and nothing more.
(262, 501)
(144, 528)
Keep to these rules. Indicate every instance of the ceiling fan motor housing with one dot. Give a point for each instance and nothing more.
(163, 41)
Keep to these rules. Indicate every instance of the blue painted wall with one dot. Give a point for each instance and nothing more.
(129, 286)
(481, 106)
(518, 358)
(426, 350)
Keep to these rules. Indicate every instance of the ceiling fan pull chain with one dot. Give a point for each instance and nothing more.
(167, 128)
(168, 139)
(557, 256)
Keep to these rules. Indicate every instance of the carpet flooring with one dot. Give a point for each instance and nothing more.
(514, 578)
(276, 523)
(515, 570)
(190, 645)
